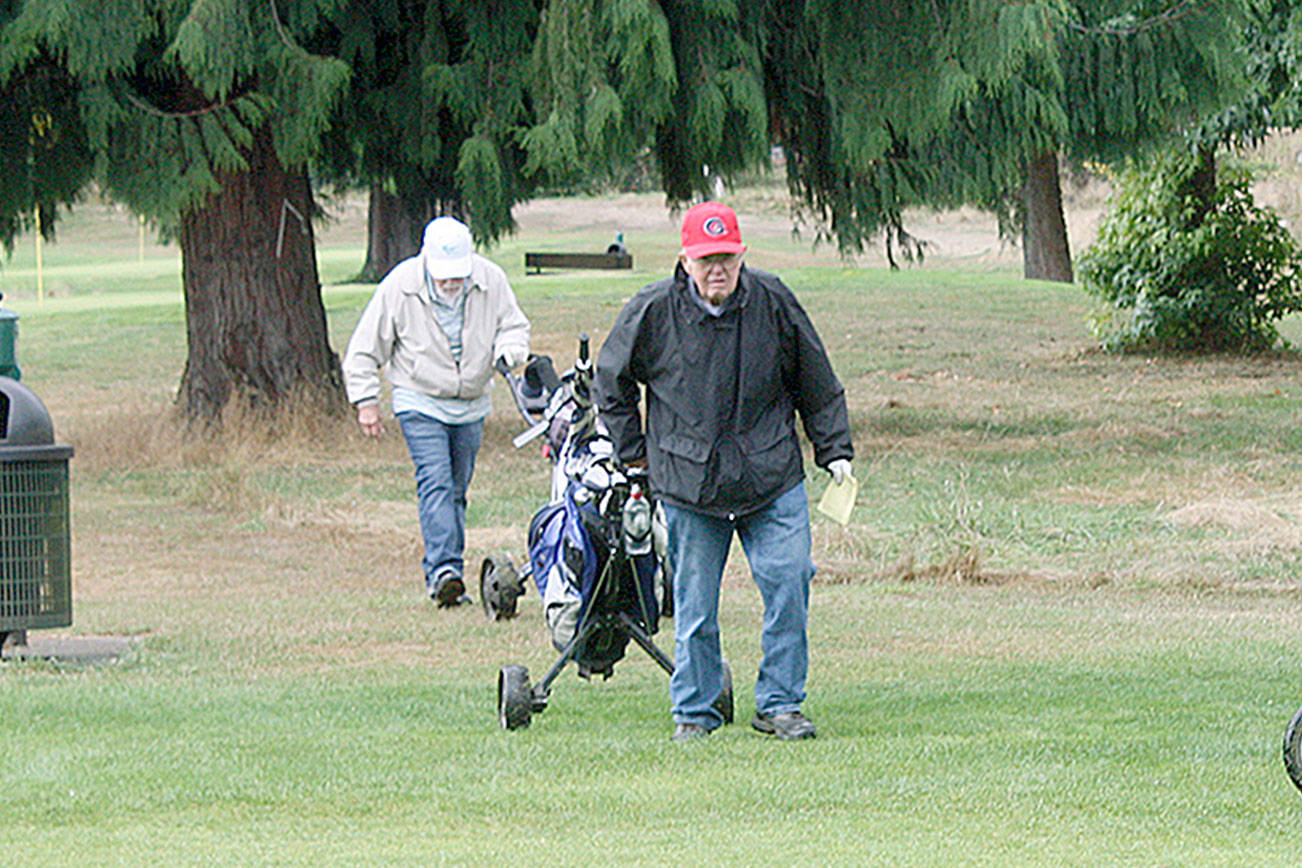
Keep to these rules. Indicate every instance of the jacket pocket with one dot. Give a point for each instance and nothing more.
(432, 379)
(682, 475)
(771, 455)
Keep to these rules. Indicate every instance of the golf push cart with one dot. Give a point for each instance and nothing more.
(595, 549)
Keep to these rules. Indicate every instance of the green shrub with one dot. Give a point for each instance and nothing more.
(1189, 271)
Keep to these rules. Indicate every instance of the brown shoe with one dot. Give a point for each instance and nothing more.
(790, 726)
(449, 591)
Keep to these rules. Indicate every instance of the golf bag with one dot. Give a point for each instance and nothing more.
(595, 548)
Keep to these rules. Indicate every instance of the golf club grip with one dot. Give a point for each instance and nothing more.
(583, 346)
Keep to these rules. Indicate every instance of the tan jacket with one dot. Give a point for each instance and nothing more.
(399, 329)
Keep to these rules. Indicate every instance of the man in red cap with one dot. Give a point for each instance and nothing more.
(728, 358)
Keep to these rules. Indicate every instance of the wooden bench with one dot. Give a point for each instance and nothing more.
(539, 261)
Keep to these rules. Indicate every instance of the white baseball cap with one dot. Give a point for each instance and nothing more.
(447, 249)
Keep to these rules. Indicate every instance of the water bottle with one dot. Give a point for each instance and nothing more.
(637, 524)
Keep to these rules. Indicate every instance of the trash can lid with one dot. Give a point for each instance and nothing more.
(24, 421)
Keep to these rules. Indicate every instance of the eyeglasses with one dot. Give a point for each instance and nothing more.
(724, 260)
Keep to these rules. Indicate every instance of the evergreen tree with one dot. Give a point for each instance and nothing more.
(46, 159)
(613, 77)
(432, 117)
(384, 136)
(1271, 100)
(202, 117)
(885, 105)
(854, 89)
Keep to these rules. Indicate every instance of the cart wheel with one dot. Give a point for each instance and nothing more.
(1293, 749)
(499, 587)
(514, 697)
(723, 704)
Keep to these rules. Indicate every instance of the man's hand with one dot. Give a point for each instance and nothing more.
(368, 416)
(514, 357)
(840, 470)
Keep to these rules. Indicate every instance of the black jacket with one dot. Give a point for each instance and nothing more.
(721, 393)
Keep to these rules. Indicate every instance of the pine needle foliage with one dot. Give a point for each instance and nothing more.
(171, 91)
(483, 88)
(1272, 99)
(46, 158)
(387, 130)
(437, 104)
(718, 124)
(603, 77)
(1140, 73)
(614, 77)
(884, 105)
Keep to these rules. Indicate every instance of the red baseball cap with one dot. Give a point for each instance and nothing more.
(709, 228)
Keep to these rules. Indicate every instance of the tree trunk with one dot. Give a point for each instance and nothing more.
(1202, 185)
(393, 233)
(254, 319)
(1045, 251)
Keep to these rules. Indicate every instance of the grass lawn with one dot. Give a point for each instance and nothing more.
(1062, 627)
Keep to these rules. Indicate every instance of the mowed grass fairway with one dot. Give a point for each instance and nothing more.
(1063, 628)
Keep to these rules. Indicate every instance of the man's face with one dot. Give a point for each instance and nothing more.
(449, 287)
(715, 276)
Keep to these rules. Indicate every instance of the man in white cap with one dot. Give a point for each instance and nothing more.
(437, 322)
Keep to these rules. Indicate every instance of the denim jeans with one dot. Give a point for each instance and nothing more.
(444, 456)
(776, 541)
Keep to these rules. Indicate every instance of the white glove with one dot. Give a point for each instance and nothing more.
(514, 356)
(840, 470)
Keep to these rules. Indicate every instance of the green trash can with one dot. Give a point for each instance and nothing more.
(8, 343)
(35, 554)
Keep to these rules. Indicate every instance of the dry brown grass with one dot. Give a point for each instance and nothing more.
(1258, 526)
(143, 436)
(964, 567)
(178, 534)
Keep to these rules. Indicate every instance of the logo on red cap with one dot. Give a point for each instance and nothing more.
(710, 228)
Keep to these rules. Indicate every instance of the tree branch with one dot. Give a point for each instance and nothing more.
(149, 108)
(1181, 9)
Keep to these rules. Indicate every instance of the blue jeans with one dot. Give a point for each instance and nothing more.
(777, 544)
(444, 456)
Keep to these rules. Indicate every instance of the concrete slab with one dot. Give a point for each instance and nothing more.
(69, 649)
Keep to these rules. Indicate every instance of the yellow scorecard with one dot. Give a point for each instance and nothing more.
(838, 500)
